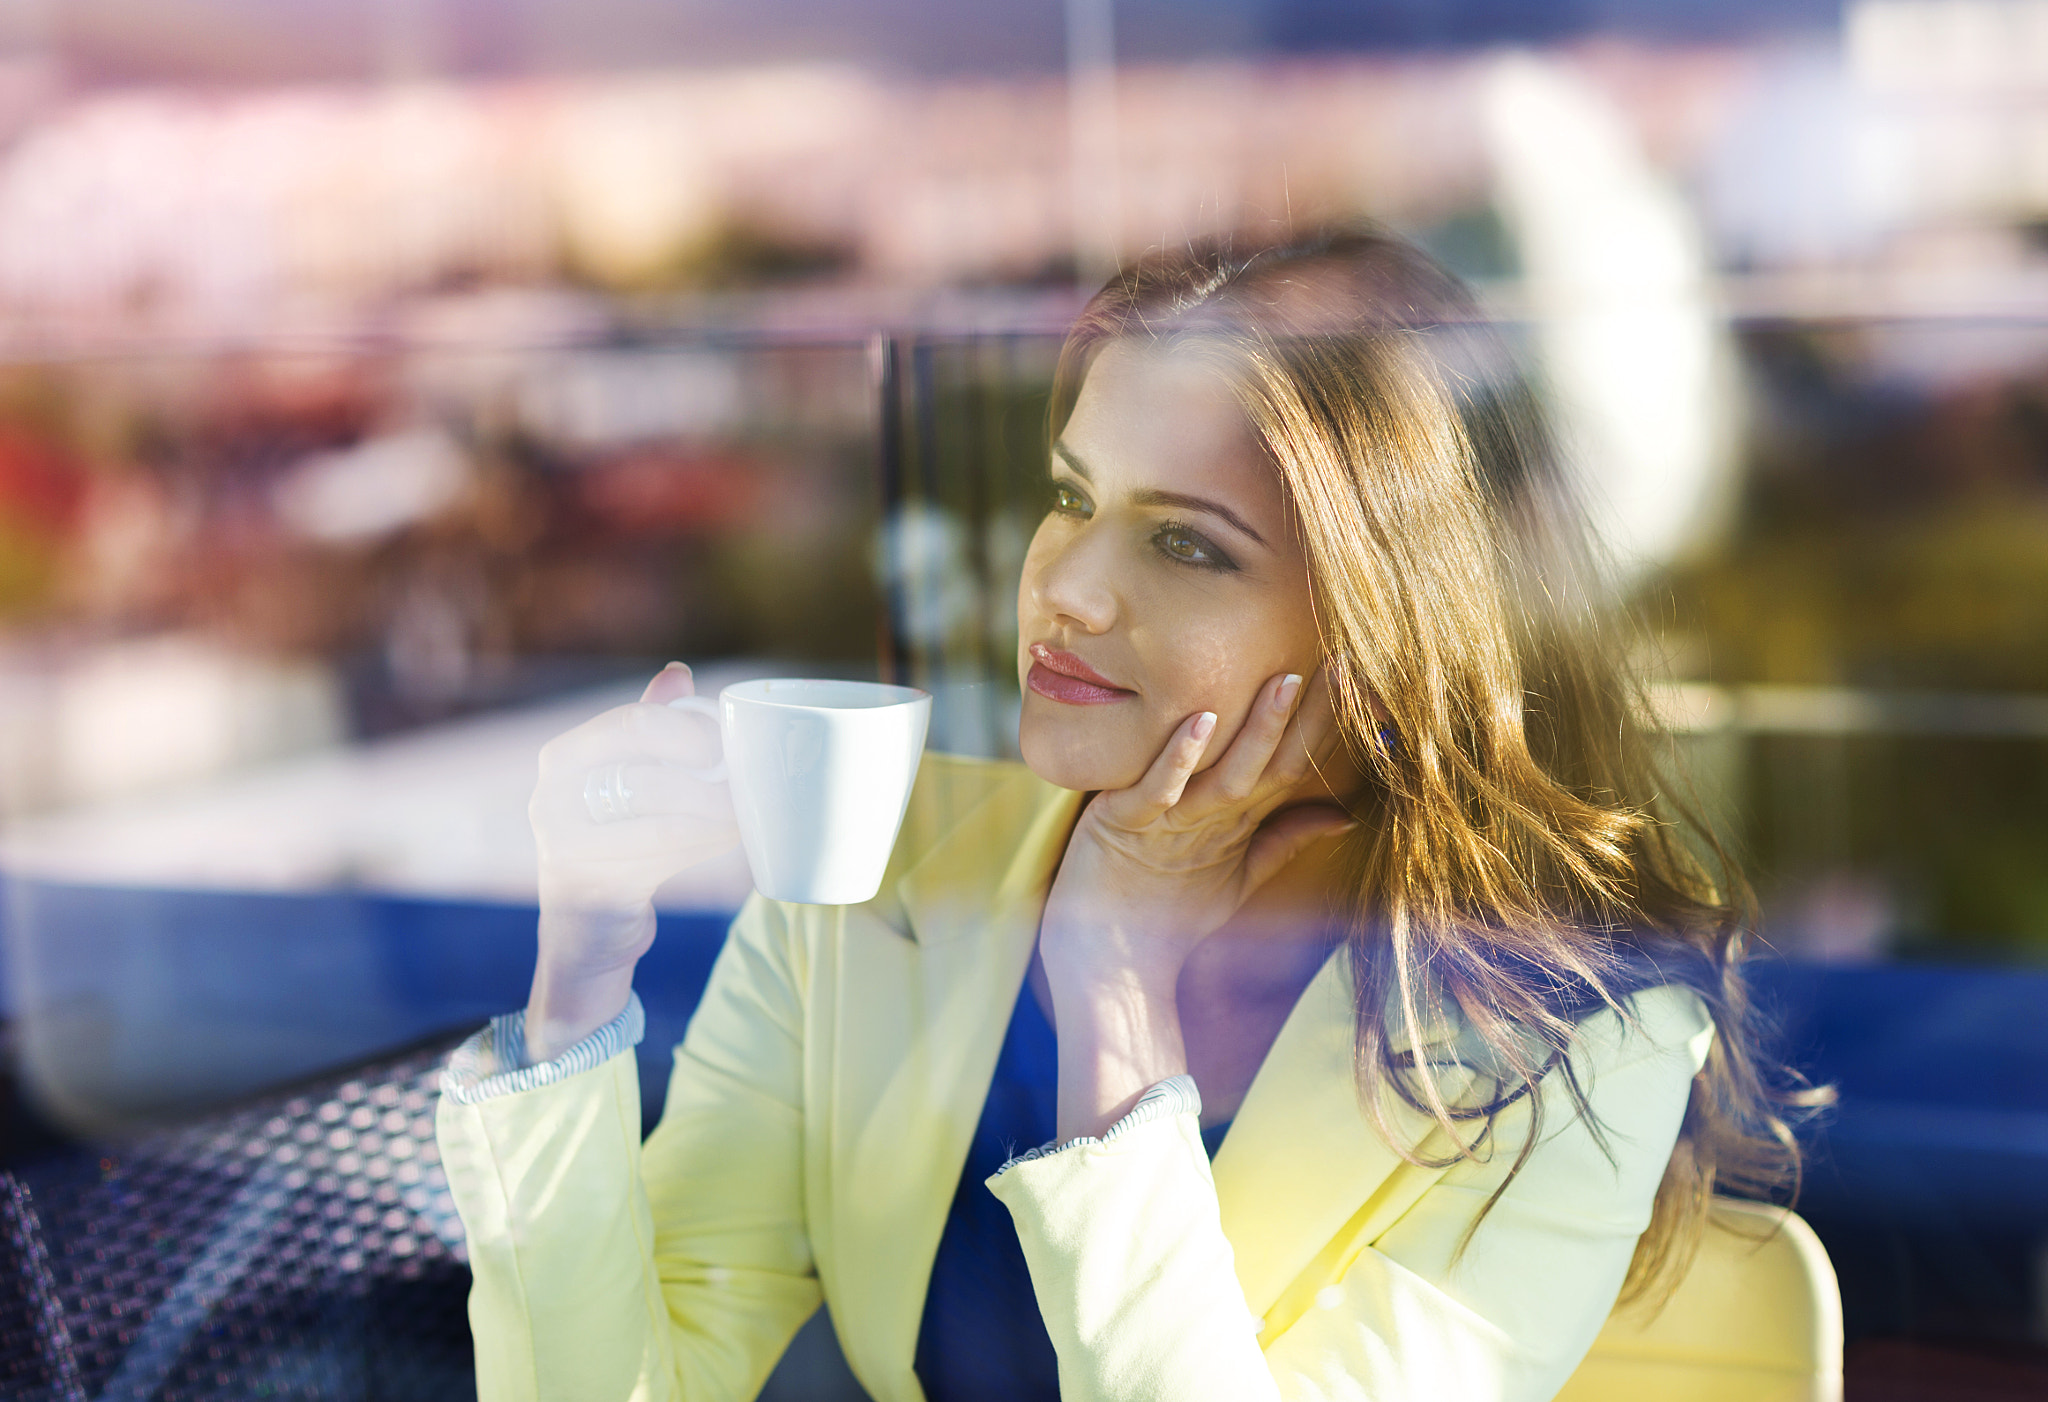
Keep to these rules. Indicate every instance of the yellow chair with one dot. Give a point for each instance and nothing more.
(1758, 1318)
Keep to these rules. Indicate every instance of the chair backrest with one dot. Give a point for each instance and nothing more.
(36, 1356)
(1758, 1318)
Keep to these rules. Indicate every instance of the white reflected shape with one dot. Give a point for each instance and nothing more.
(373, 489)
(439, 812)
(144, 714)
(1640, 366)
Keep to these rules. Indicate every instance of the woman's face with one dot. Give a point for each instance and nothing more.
(1166, 578)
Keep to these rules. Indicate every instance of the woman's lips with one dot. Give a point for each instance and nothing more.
(1061, 676)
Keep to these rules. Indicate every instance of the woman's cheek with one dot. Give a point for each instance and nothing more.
(1210, 674)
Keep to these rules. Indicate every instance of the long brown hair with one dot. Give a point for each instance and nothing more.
(1521, 864)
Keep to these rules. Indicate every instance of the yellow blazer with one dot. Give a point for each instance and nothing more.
(819, 1113)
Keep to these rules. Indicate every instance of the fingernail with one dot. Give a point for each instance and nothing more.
(673, 666)
(1289, 684)
(1204, 723)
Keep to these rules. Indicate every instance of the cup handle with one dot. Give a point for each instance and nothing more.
(703, 706)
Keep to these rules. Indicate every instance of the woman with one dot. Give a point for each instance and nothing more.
(1334, 853)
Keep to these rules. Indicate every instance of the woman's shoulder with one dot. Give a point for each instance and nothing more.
(1663, 1021)
(950, 786)
(1666, 1019)
(1661, 1017)
(952, 789)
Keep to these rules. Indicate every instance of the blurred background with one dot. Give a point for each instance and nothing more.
(386, 386)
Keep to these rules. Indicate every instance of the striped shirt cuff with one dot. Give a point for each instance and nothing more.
(493, 1062)
(1176, 1095)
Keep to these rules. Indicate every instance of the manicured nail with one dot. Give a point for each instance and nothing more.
(673, 666)
(1289, 684)
(1204, 723)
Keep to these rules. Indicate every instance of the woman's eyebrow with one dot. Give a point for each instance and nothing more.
(1154, 496)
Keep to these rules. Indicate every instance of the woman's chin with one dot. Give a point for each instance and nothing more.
(1082, 768)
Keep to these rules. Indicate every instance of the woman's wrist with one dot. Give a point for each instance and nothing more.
(563, 1009)
(1119, 1035)
(584, 974)
(1109, 950)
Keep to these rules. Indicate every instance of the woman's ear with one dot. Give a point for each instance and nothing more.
(1341, 679)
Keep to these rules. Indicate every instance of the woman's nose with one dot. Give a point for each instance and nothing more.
(1075, 581)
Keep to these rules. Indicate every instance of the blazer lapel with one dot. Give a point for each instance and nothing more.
(919, 1025)
(1302, 1158)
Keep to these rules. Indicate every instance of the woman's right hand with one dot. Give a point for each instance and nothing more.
(598, 878)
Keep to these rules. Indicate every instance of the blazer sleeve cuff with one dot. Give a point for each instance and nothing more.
(1176, 1095)
(493, 1062)
(1134, 1277)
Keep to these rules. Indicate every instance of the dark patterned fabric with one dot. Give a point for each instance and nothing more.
(303, 1247)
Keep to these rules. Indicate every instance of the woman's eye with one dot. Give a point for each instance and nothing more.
(1068, 501)
(1183, 544)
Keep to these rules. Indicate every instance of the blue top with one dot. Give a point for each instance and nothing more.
(981, 1339)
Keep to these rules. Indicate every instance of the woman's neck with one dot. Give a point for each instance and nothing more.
(1281, 935)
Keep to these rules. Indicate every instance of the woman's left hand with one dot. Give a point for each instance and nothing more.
(1152, 870)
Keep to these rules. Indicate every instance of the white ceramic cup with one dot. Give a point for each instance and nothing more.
(820, 774)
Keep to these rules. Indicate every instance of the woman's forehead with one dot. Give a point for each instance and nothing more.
(1162, 416)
